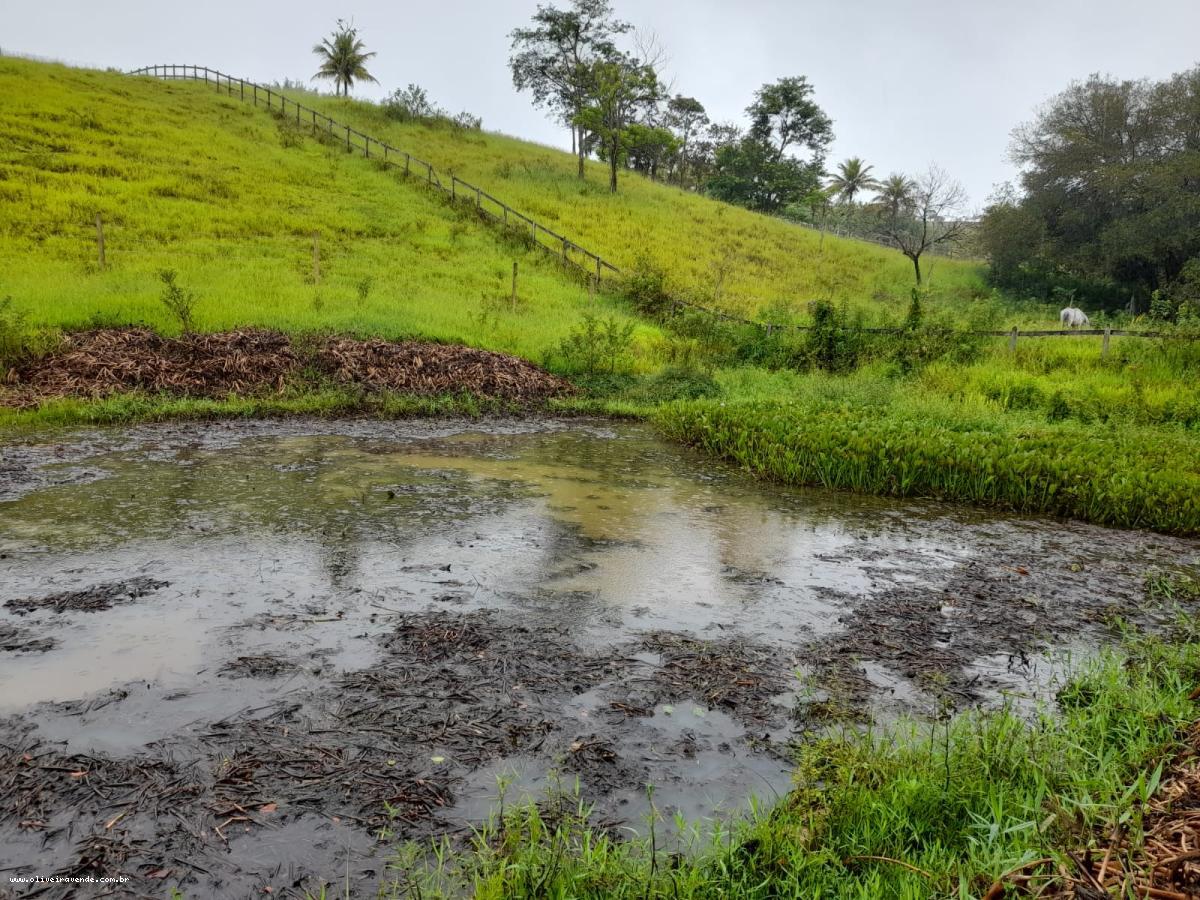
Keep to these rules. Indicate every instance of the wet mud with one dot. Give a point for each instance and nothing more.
(255, 655)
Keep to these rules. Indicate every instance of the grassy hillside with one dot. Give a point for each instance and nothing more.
(225, 195)
(188, 179)
(712, 252)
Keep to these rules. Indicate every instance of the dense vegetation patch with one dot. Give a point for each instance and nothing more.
(1122, 477)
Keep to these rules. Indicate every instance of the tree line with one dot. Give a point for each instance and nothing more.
(1107, 206)
(618, 107)
(601, 79)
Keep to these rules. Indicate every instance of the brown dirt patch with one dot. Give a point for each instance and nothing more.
(98, 363)
(108, 361)
(419, 368)
(94, 599)
(738, 676)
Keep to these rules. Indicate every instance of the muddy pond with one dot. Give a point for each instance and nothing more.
(232, 653)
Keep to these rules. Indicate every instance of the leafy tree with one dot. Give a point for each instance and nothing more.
(703, 157)
(685, 116)
(1010, 236)
(555, 60)
(623, 88)
(784, 115)
(761, 171)
(751, 174)
(852, 177)
(1110, 187)
(343, 58)
(932, 218)
(649, 148)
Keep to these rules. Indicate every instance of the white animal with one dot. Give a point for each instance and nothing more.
(1073, 317)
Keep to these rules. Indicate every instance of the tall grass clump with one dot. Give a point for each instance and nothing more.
(918, 810)
(1120, 477)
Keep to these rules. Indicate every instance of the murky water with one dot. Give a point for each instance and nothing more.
(196, 580)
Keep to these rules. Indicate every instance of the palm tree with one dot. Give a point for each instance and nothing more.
(894, 193)
(853, 176)
(343, 58)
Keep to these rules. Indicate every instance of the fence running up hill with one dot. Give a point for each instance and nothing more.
(559, 246)
(455, 189)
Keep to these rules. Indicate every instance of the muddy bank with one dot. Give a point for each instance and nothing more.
(232, 655)
(98, 363)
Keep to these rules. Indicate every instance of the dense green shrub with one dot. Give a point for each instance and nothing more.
(597, 346)
(646, 288)
(832, 344)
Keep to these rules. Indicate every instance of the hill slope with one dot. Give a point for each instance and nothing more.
(711, 251)
(221, 192)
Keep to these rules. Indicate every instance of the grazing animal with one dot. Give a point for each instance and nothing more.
(1073, 317)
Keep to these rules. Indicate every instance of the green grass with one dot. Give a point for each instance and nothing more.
(948, 807)
(904, 446)
(319, 402)
(711, 251)
(229, 197)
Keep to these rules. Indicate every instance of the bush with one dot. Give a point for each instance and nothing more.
(12, 334)
(180, 303)
(646, 288)
(597, 345)
(411, 104)
(832, 344)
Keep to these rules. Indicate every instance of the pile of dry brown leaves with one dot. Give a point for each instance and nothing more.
(108, 361)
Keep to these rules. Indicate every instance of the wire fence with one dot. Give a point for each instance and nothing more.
(570, 253)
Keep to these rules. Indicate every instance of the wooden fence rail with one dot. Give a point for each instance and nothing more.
(559, 246)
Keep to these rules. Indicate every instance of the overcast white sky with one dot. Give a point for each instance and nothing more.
(906, 82)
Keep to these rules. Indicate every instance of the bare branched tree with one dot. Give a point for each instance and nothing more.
(931, 215)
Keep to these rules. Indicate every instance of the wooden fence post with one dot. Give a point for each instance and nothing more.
(564, 240)
(597, 269)
(1104, 345)
(100, 239)
(316, 258)
(1012, 339)
(514, 289)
